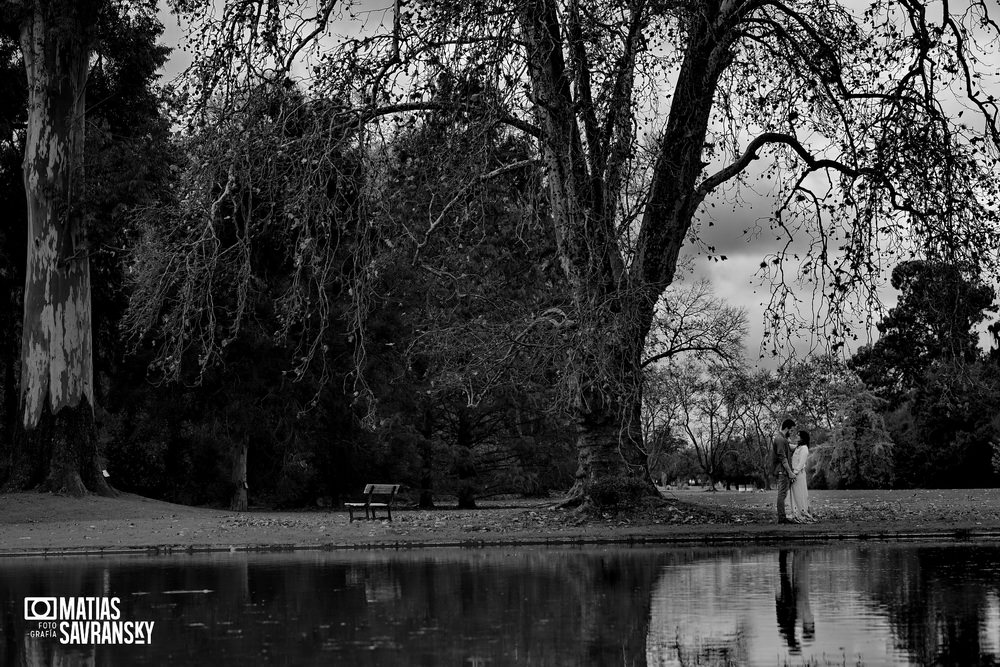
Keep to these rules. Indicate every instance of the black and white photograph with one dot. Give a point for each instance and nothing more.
(639, 333)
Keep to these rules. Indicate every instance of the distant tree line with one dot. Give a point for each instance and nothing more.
(917, 408)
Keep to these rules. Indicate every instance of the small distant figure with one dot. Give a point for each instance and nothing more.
(799, 496)
(781, 455)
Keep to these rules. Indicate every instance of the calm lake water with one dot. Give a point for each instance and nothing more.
(844, 604)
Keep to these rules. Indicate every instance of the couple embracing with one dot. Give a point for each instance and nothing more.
(789, 457)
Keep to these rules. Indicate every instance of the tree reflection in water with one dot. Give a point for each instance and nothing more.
(942, 602)
(887, 604)
(49, 653)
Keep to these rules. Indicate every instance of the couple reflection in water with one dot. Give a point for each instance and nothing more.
(792, 600)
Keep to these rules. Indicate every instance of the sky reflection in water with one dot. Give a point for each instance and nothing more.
(873, 604)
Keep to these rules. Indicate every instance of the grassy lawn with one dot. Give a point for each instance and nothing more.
(32, 522)
(916, 505)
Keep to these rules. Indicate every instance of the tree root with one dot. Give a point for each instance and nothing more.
(574, 498)
(59, 455)
(71, 484)
(238, 502)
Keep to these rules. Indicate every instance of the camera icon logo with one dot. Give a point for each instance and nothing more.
(40, 609)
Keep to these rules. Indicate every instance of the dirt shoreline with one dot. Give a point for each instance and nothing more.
(46, 524)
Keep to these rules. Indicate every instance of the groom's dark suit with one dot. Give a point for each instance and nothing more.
(781, 459)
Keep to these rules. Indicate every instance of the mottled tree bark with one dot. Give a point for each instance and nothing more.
(58, 445)
(611, 468)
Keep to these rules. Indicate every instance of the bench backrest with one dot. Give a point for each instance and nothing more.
(389, 490)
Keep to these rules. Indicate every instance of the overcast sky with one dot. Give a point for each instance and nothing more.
(741, 232)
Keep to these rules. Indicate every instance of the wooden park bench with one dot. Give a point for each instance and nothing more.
(377, 496)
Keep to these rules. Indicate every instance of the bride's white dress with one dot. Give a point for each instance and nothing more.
(799, 492)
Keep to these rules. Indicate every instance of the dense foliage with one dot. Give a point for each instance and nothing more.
(939, 388)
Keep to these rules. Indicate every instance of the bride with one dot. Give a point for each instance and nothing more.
(799, 492)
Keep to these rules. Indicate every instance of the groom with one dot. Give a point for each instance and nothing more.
(781, 458)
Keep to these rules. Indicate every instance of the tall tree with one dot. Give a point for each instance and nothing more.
(763, 392)
(939, 392)
(818, 89)
(934, 321)
(811, 391)
(711, 405)
(691, 323)
(57, 387)
(76, 187)
(476, 306)
(858, 454)
(230, 268)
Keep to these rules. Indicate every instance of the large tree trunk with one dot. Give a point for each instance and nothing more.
(58, 445)
(612, 468)
(587, 247)
(614, 307)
